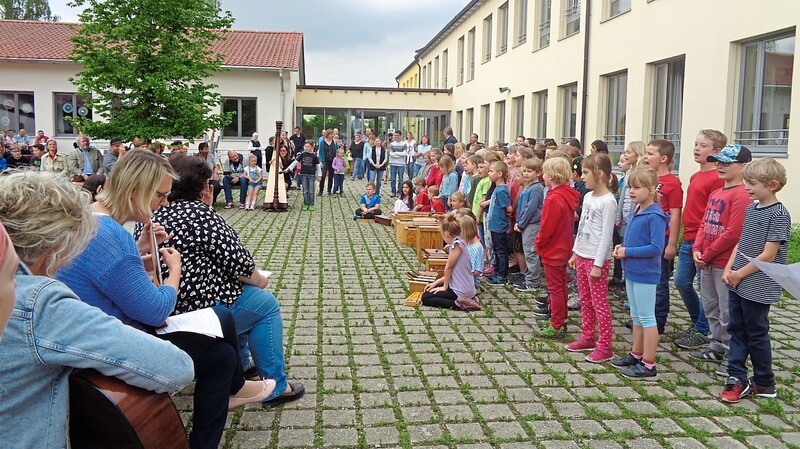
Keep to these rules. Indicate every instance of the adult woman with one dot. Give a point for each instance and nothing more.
(8, 268)
(423, 147)
(411, 148)
(52, 161)
(51, 331)
(109, 274)
(327, 151)
(218, 268)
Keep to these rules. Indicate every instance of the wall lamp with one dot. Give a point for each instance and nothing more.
(504, 90)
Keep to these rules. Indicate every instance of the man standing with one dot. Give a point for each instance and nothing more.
(448, 136)
(473, 139)
(115, 151)
(85, 161)
(298, 140)
(398, 153)
(234, 171)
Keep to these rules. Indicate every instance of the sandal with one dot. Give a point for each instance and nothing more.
(228, 206)
(297, 390)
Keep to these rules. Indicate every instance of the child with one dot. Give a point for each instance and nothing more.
(456, 202)
(717, 234)
(765, 236)
(642, 259)
(377, 164)
(629, 160)
(310, 169)
(529, 211)
(469, 232)
(435, 174)
(406, 201)
(426, 165)
(423, 203)
(338, 172)
(254, 176)
(370, 203)
(456, 289)
(701, 184)
(449, 179)
(470, 166)
(475, 162)
(658, 157)
(499, 211)
(554, 241)
(437, 206)
(591, 257)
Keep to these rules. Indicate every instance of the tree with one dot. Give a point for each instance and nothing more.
(27, 10)
(144, 66)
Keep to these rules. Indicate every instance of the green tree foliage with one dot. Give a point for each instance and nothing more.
(26, 10)
(144, 67)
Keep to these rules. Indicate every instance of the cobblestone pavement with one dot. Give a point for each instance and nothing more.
(380, 374)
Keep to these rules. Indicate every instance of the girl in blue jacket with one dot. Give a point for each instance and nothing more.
(641, 260)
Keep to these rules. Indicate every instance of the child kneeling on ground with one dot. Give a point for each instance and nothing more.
(456, 289)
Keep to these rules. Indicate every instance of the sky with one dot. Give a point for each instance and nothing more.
(346, 42)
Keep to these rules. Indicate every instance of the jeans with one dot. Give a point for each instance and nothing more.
(327, 173)
(749, 329)
(227, 185)
(376, 176)
(358, 169)
(260, 326)
(662, 289)
(501, 250)
(396, 179)
(642, 298)
(685, 274)
(307, 182)
(412, 168)
(338, 183)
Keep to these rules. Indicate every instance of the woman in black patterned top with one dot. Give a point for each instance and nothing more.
(218, 268)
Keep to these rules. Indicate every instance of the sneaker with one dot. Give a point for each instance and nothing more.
(548, 331)
(734, 390)
(629, 324)
(640, 372)
(692, 340)
(488, 269)
(496, 280)
(467, 304)
(600, 355)
(722, 369)
(523, 287)
(542, 311)
(574, 303)
(763, 392)
(311, 207)
(542, 301)
(625, 361)
(580, 345)
(681, 334)
(707, 355)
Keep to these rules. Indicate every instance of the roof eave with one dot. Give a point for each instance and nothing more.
(446, 29)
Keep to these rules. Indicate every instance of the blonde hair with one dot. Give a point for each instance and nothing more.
(131, 185)
(460, 148)
(469, 228)
(451, 226)
(559, 169)
(433, 191)
(458, 195)
(46, 217)
(465, 212)
(533, 164)
(644, 178)
(446, 164)
(765, 171)
(717, 138)
(638, 148)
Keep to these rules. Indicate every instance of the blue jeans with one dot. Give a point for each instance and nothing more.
(376, 176)
(259, 325)
(358, 169)
(685, 274)
(227, 185)
(749, 328)
(500, 245)
(396, 177)
(412, 168)
(307, 182)
(662, 290)
(338, 183)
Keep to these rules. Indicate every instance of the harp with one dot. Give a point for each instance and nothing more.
(275, 195)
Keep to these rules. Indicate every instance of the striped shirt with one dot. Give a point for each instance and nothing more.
(762, 225)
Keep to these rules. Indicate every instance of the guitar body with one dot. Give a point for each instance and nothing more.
(105, 412)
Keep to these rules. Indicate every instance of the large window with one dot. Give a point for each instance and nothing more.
(436, 72)
(422, 78)
(617, 7)
(543, 23)
(765, 96)
(520, 22)
(444, 69)
(539, 115)
(459, 128)
(500, 120)
(471, 54)
(487, 38)
(469, 123)
(69, 105)
(428, 73)
(17, 111)
(569, 111)
(460, 60)
(616, 102)
(572, 17)
(668, 103)
(243, 123)
(485, 123)
(518, 115)
(502, 29)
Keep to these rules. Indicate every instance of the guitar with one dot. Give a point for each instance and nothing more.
(105, 412)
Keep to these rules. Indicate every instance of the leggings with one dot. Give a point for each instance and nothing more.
(642, 298)
(443, 300)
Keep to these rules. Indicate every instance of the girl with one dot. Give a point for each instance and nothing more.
(338, 172)
(377, 164)
(406, 201)
(456, 289)
(591, 257)
(425, 168)
(411, 159)
(449, 179)
(254, 175)
(457, 201)
(641, 260)
(629, 160)
(422, 149)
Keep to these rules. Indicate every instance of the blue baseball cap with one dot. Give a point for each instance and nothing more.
(732, 153)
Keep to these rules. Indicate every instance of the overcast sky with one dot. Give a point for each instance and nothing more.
(347, 42)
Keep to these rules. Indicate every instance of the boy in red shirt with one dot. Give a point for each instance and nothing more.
(421, 203)
(437, 206)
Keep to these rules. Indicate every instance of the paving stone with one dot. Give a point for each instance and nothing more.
(559, 444)
(665, 426)
(765, 441)
(586, 427)
(298, 418)
(686, 443)
(547, 427)
(495, 412)
(335, 418)
(251, 439)
(602, 444)
(418, 414)
(506, 430)
(465, 430)
(424, 433)
(377, 416)
(623, 425)
(381, 435)
(295, 437)
(725, 442)
(342, 436)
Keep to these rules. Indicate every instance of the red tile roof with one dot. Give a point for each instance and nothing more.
(32, 40)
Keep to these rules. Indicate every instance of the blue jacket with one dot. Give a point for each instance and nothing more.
(529, 205)
(644, 243)
(321, 149)
(51, 332)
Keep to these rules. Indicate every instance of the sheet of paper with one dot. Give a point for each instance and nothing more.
(265, 273)
(203, 321)
(787, 276)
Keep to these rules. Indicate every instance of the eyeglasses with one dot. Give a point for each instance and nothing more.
(162, 195)
(724, 164)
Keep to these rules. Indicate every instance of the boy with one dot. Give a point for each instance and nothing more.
(477, 195)
(554, 241)
(701, 184)
(474, 178)
(437, 207)
(529, 210)
(310, 168)
(498, 221)
(716, 237)
(765, 236)
(658, 157)
(470, 166)
(422, 203)
(370, 203)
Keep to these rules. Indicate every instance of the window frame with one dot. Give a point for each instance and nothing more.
(445, 56)
(487, 39)
(609, 9)
(485, 122)
(471, 54)
(460, 61)
(520, 22)
(14, 120)
(544, 14)
(668, 124)
(539, 114)
(241, 133)
(518, 115)
(572, 8)
(75, 97)
(502, 29)
(469, 120)
(569, 117)
(436, 72)
(500, 120)
(613, 86)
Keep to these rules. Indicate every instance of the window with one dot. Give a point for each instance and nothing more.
(617, 7)
(460, 60)
(765, 96)
(521, 22)
(469, 124)
(422, 86)
(17, 111)
(487, 38)
(540, 115)
(616, 103)
(69, 105)
(471, 54)
(668, 103)
(485, 123)
(543, 23)
(459, 127)
(444, 69)
(428, 76)
(518, 115)
(569, 107)
(243, 123)
(436, 72)
(500, 120)
(502, 29)
(572, 17)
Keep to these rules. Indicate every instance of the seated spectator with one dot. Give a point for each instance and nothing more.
(52, 331)
(233, 176)
(116, 148)
(177, 146)
(94, 184)
(206, 155)
(85, 161)
(40, 138)
(6, 139)
(16, 159)
(36, 159)
(52, 161)
(24, 141)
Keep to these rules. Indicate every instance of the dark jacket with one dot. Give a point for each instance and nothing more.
(644, 243)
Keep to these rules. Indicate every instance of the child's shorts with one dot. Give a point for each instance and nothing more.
(257, 186)
(516, 242)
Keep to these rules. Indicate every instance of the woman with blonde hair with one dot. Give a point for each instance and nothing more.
(51, 331)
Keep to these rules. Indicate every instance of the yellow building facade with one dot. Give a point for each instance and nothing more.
(409, 77)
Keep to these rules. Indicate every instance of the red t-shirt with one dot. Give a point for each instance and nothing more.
(438, 207)
(422, 200)
(669, 186)
(434, 177)
(721, 228)
(701, 184)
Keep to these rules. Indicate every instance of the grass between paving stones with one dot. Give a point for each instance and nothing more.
(487, 361)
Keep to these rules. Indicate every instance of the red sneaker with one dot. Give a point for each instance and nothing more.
(600, 355)
(734, 390)
(580, 345)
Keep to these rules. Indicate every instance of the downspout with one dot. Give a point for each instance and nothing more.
(588, 6)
